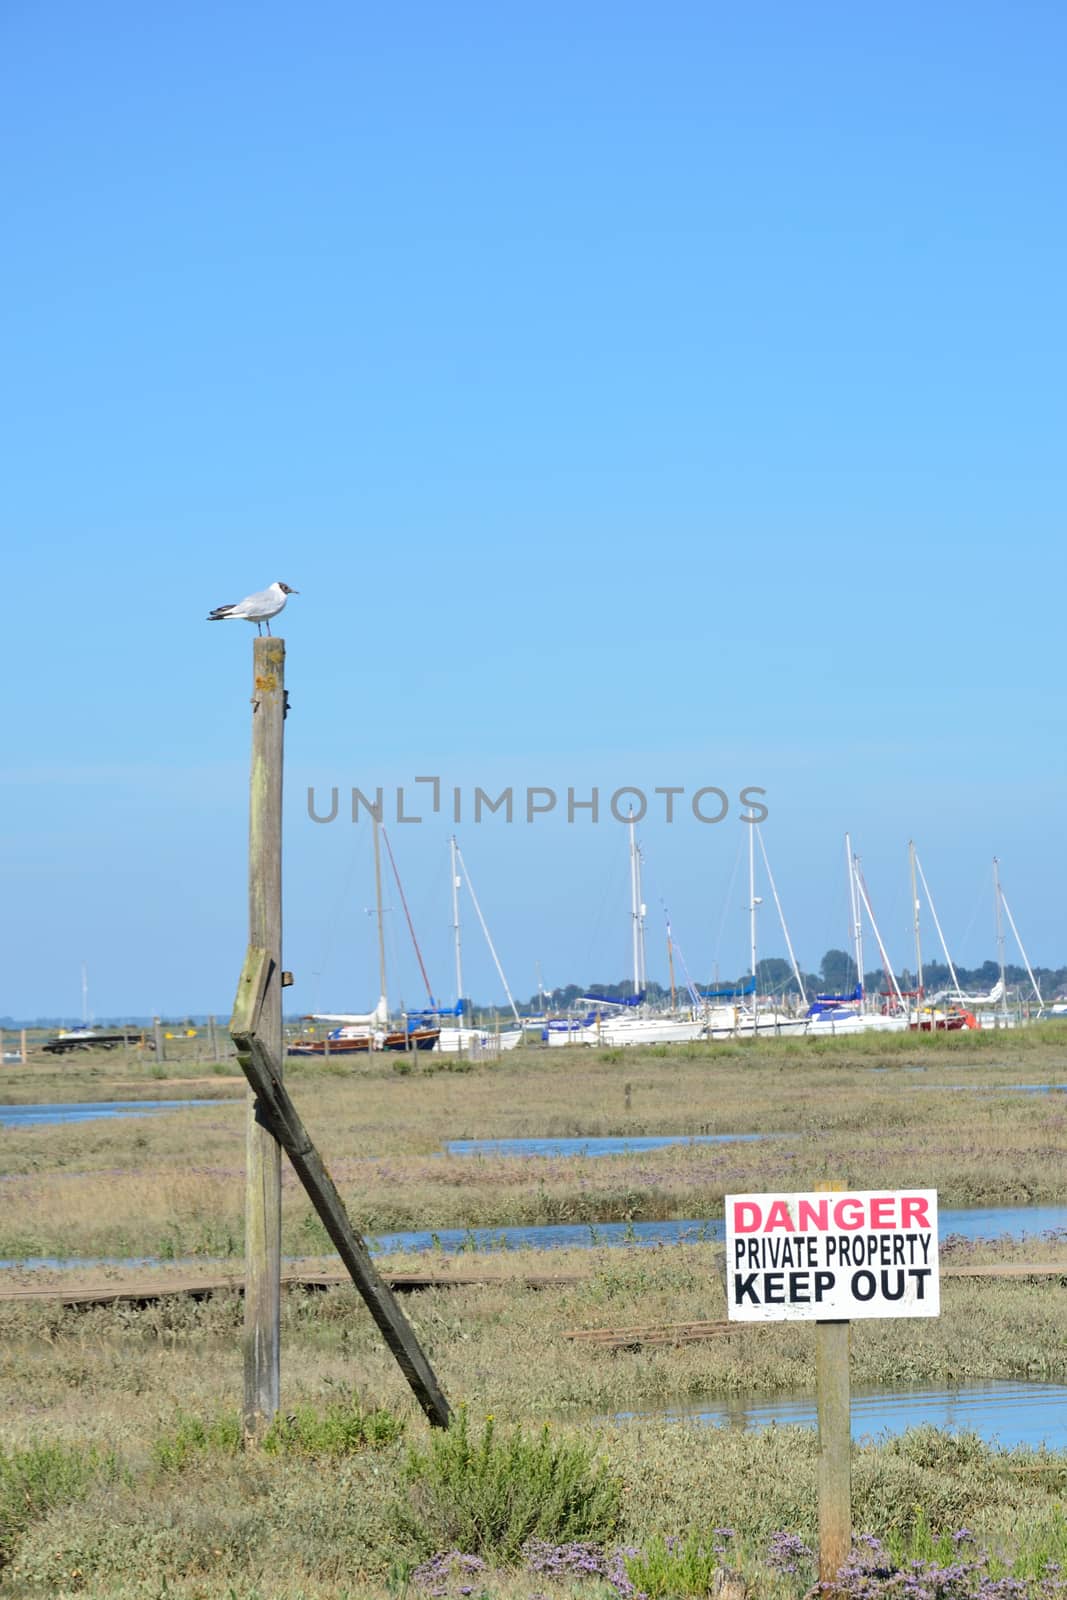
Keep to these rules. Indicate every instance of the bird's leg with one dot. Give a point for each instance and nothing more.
(259, 630)
(269, 634)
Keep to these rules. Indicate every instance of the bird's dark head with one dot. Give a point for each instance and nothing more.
(284, 587)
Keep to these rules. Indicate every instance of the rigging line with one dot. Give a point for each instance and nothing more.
(781, 914)
(1018, 941)
(329, 937)
(407, 914)
(485, 930)
(726, 906)
(978, 905)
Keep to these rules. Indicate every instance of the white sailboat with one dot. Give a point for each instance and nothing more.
(746, 1016)
(845, 1014)
(459, 1036)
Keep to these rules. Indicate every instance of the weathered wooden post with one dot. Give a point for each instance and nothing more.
(263, 1181)
(22, 1047)
(213, 1038)
(835, 1447)
(161, 1049)
(835, 1439)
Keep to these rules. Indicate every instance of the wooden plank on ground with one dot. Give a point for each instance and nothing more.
(148, 1292)
(672, 1333)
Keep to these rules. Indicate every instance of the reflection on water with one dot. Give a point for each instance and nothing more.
(1009, 1412)
(622, 1145)
(93, 1111)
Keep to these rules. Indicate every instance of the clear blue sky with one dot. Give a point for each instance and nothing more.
(635, 394)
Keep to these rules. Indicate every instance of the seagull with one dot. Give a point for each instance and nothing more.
(257, 608)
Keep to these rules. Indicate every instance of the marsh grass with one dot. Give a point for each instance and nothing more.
(340, 1428)
(172, 1186)
(118, 1437)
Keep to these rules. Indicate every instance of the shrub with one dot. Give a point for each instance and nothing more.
(489, 1496)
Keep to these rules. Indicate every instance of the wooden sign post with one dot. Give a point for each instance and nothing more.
(827, 1258)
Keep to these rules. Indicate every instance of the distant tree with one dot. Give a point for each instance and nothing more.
(837, 971)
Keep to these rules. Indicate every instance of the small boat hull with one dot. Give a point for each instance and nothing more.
(366, 1043)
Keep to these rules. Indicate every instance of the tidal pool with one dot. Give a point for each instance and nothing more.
(93, 1111)
(617, 1145)
(1007, 1412)
(1013, 1222)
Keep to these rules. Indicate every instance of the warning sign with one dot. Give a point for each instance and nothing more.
(830, 1256)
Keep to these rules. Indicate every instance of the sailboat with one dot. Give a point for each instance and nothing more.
(359, 1033)
(456, 1036)
(844, 1014)
(733, 1009)
(614, 1021)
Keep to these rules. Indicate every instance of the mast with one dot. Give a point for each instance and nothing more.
(670, 956)
(915, 913)
(857, 925)
(937, 925)
(997, 899)
(452, 848)
(781, 913)
(637, 910)
(752, 904)
(380, 911)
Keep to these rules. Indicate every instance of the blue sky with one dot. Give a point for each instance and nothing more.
(635, 395)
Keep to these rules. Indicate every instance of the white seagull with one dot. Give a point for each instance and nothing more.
(257, 608)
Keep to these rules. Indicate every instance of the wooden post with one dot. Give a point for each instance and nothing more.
(213, 1039)
(1, 1047)
(262, 1068)
(22, 1045)
(835, 1443)
(835, 1448)
(263, 1181)
(161, 1049)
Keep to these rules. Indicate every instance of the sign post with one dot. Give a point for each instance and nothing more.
(829, 1257)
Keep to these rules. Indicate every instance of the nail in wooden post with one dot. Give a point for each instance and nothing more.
(835, 1443)
(263, 1193)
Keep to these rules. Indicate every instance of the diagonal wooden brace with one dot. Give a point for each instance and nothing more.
(276, 1110)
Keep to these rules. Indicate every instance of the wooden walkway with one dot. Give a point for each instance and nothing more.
(148, 1291)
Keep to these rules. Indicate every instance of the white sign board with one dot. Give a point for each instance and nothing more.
(832, 1255)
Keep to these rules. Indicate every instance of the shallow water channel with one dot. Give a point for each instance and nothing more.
(1013, 1222)
(626, 1144)
(1008, 1412)
(92, 1111)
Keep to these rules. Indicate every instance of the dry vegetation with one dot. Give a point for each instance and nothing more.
(128, 1512)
